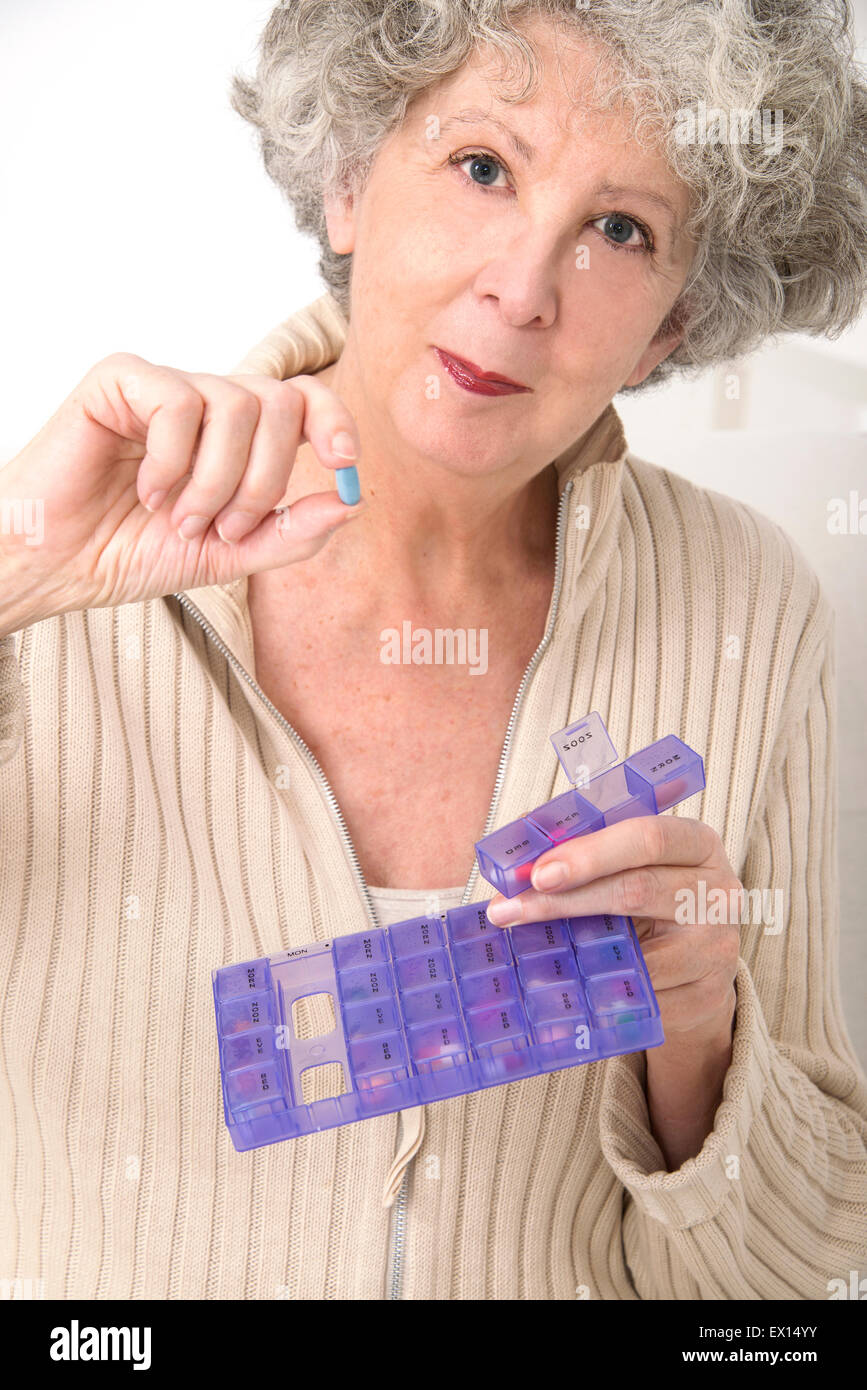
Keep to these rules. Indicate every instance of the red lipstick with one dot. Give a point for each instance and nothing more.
(472, 378)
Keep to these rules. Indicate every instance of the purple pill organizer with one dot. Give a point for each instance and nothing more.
(446, 1004)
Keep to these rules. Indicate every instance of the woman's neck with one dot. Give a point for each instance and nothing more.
(426, 534)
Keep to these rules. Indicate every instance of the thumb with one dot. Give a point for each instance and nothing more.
(293, 533)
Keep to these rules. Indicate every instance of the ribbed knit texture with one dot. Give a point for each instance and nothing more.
(158, 820)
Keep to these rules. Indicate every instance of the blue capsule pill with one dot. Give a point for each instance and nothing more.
(348, 486)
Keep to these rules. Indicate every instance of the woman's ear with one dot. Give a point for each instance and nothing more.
(666, 339)
(656, 351)
(340, 221)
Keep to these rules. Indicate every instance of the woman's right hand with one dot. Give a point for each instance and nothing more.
(213, 446)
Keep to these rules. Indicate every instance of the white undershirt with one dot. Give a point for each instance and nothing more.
(395, 904)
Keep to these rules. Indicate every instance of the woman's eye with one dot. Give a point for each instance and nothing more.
(623, 232)
(484, 169)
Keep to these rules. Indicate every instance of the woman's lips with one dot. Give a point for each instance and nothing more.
(472, 378)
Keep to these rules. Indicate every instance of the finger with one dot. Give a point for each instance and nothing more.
(229, 423)
(677, 955)
(702, 1008)
(295, 533)
(651, 890)
(327, 424)
(293, 410)
(625, 845)
(271, 458)
(139, 400)
(645, 927)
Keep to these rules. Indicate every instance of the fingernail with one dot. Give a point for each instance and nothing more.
(348, 486)
(549, 875)
(235, 525)
(155, 499)
(193, 526)
(504, 914)
(348, 516)
(343, 445)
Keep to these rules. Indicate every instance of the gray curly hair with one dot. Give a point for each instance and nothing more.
(780, 225)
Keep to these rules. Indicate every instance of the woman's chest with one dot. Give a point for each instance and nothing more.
(409, 740)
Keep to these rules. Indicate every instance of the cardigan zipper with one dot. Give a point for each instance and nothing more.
(398, 1220)
(525, 679)
(398, 1223)
(296, 737)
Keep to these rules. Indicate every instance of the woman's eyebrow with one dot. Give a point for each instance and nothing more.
(472, 115)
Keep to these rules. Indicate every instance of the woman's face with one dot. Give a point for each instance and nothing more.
(536, 268)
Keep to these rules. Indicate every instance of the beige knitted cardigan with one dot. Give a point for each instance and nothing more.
(158, 819)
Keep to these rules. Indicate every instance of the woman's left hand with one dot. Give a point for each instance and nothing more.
(639, 868)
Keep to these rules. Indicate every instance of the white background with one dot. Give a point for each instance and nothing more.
(136, 216)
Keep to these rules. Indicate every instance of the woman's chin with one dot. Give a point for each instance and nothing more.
(471, 448)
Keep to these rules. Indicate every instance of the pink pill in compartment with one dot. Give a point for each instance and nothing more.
(668, 766)
(603, 957)
(566, 817)
(613, 994)
(506, 856)
(378, 1080)
(240, 1014)
(489, 988)
(253, 1086)
(471, 957)
(547, 968)
(557, 1030)
(514, 846)
(557, 1012)
(528, 937)
(442, 1039)
(487, 1025)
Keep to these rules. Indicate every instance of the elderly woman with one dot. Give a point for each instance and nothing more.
(210, 756)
